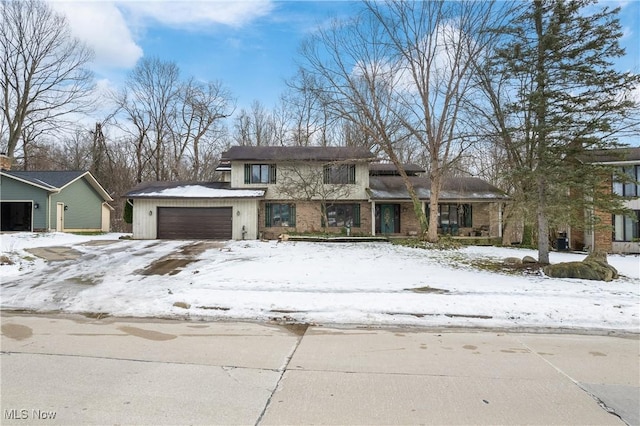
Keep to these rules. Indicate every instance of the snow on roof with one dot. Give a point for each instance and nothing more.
(201, 191)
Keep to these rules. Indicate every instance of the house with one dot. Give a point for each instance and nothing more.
(467, 206)
(616, 233)
(63, 201)
(268, 191)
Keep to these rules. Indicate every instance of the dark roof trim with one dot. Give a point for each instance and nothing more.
(296, 153)
(612, 156)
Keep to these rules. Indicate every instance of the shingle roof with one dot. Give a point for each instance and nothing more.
(306, 153)
(459, 188)
(379, 169)
(612, 155)
(49, 179)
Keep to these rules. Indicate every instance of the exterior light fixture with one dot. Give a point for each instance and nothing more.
(36, 206)
(150, 212)
(66, 208)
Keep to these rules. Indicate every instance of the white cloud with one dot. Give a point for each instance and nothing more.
(101, 25)
(186, 13)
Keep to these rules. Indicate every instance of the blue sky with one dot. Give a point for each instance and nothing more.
(248, 45)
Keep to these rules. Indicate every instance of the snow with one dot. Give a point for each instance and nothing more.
(324, 283)
(199, 191)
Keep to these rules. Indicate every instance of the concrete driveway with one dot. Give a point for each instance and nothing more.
(78, 370)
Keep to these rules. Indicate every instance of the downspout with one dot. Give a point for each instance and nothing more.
(49, 212)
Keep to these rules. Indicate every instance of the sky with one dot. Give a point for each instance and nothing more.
(248, 45)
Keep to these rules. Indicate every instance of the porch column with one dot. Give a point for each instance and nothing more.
(373, 218)
(500, 220)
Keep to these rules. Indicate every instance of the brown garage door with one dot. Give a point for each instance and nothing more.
(194, 223)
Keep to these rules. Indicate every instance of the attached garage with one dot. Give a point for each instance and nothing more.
(203, 223)
(194, 211)
(16, 215)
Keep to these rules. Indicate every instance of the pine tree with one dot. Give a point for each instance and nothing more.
(555, 67)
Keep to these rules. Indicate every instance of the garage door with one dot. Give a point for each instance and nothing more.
(195, 223)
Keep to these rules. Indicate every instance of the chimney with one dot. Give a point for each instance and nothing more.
(5, 162)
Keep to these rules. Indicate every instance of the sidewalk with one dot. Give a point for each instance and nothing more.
(76, 370)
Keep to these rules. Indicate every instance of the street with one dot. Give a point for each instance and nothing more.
(64, 369)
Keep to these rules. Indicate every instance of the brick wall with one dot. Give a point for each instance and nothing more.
(602, 233)
(309, 219)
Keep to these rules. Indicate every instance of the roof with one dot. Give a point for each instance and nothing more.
(292, 153)
(380, 169)
(191, 190)
(56, 180)
(459, 188)
(47, 179)
(613, 156)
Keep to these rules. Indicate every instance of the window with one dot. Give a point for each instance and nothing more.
(340, 174)
(626, 228)
(259, 173)
(280, 215)
(343, 215)
(454, 214)
(627, 182)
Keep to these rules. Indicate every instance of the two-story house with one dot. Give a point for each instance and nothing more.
(268, 191)
(615, 233)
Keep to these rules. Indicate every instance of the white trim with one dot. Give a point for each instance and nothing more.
(49, 188)
(94, 184)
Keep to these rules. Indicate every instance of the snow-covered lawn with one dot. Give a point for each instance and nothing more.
(338, 283)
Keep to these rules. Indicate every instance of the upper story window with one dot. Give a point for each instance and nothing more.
(340, 174)
(260, 173)
(629, 186)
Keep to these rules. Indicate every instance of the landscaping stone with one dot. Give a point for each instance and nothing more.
(593, 267)
(529, 259)
(182, 305)
(513, 261)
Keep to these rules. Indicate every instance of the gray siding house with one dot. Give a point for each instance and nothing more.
(63, 201)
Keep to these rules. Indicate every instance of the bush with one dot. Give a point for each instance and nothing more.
(127, 215)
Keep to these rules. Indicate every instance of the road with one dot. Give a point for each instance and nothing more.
(62, 369)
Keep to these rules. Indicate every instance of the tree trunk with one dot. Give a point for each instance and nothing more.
(543, 223)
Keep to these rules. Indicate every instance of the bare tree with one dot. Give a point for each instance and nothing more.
(200, 109)
(149, 103)
(399, 72)
(312, 182)
(43, 78)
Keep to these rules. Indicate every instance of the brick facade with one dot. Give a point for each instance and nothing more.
(309, 220)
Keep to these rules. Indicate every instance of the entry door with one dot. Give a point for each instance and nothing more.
(387, 219)
(59, 217)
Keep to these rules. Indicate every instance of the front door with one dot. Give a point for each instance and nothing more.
(59, 217)
(387, 218)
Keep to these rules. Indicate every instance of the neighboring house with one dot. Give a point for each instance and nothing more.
(615, 233)
(63, 201)
(268, 191)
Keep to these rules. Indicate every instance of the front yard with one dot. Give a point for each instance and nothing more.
(373, 284)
